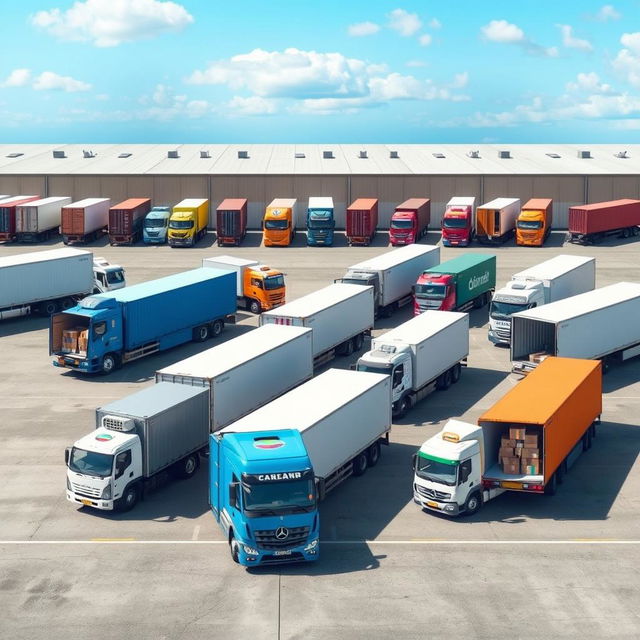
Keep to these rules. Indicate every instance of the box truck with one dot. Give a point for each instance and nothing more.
(163, 428)
(341, 315)
(392, 275)
(320, 222)
(362, 221)
(269, 469)
(534, 222)
(496, 220)
(247, 372)
(156, 225)
(591, 223)
(85, 220)
(422, 354)
(188, 222)
(107, 330)
(280, 222)
(231, 221)
(39, 220)
(601, 324)
(410, 221)
(526, 442)
(552, 280)
(460, 284)
(126, 220)
(8, 215)
(258, 287)
(458, 222)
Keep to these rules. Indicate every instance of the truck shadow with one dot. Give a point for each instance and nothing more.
(15, 326)
(479, 317)
(611, 241)
(621, 375)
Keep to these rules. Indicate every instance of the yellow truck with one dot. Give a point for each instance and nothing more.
(279, 222)
(534, 222)
(188, 222)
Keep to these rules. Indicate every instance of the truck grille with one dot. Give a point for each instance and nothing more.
(276, 297)
(294, 557)
(84, 490)
(503, 333)
(424, 305)
(267, 539)
(430, 493)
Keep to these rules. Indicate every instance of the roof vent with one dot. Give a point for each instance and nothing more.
(88, 154)
(59, 154)
(583, 153)
(553, 155)
(17, 155)
(125, 155)
(243, 155)
(327, 155)
(205, 154)
(172, 154)
(393, 154)
(363, 154)
(504, 154)
(620, 154)
(300, 155)
(438, 155)
(473, 154)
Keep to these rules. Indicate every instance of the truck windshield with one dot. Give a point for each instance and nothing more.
(181, 224)
(325, 223)
(372, 368)
(431, 291)
(90, 463)
(505, 309)
(360, 281)
(155, 223)
(115, 277)
(274, 282)
(529, 224)
(276, 224)
(278, 498)
(454, 223)
(402, 223)
(436, 469)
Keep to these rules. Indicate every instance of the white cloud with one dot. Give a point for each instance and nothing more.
(251, 106)
(107, 23)
(425, 39)
(460, 80)
(630, 124)
(434, 23)
(50, 81)
(608, 12)
(589, 83)
(103, 97)
(502, 31)
(197, 108)
(571, 42)
(17, 78)
(627, 62)
(363, 29)
(416, 63)
(632, 41)
(405, 23)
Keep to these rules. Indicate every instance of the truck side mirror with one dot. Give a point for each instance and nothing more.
(414, 457)
(233, 494)
(67, 454)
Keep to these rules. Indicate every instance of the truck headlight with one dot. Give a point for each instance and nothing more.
(312, 545)
(250, 551)
(106, 493)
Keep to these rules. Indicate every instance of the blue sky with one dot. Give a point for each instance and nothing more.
(300, 71)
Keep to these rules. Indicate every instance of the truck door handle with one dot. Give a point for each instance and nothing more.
(131, 474)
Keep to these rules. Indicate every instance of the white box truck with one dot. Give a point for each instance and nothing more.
(244, 373)
(602, 324)
(341, 315)
(552, 280)
(40, 219)
(393, 274)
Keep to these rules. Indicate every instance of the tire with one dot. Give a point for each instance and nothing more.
(456, 372)
(373, 454)
(216, 328)
(109, 364)
(130, 498)
(187, 467)
(478, 302)
(444, 381)
(201, 333)
(67, 303)
(403, 407)
(359, 464)
(358, 341)
(552, 486)
(473, 503)
(255, 307)
(234, 549)
(625, 233)
(346, 348)
(49, 308)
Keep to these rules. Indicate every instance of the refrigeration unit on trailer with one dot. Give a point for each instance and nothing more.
(39, 220)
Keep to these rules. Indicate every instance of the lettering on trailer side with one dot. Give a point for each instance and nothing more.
(476, 281)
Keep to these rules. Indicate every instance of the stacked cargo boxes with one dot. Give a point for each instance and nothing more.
(520, 452)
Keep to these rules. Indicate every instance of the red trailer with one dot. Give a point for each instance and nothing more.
(590, 223)
(8, 216)
(362, 221)
(126, 219)
(231, 221)
(410, 221)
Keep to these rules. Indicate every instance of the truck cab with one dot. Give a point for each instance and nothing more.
(403, 228)
(531, 228)
(457, 225)
(188, 222)
(434, 291)
(156, 225)
(320, 222)
(514, 297)
(107, 276)
(279, 223)
(265, 287)
(263, 494)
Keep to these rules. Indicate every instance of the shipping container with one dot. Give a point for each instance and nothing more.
(126, 220)
(590, 223)
(362, 221)
(8, 216)
(85, 220)
(231, 221)
(39, 219)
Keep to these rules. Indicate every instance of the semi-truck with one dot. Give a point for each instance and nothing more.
(246, 372)
(280, 222)
(137, 440)
(552, 280)
(269, 470)
(460, 284)
(392, 275)
(39, 220)
(458, 221)
(8, 215)
(156, 225)
(496, 220)
(526, 442)
(362, 221)
(320, 222)
(601, 324)
(107, 330)
(126, 220)
(341, 315)
(188, 222)
(84, 220)
(231, 221)
(107, 276)
(534, 222)
(591, 223)
(421, 355)
(410, 221)
(44, 281)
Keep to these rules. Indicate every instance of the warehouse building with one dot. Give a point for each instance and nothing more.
(570, 174)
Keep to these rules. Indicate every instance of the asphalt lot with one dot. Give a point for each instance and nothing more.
(526, 566)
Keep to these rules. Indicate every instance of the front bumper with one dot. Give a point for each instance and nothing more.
(446, 508)
(181, 242)
(455, 242)
(96, 503)
(497, 339)
(77, 364)
(263, 557)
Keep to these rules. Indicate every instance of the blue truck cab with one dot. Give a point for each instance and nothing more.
(156, 223)
(320, 222)
(262, 493)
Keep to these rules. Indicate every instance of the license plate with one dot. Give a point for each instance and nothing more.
(432, 504)
(511, 485)
(87, 502)
(287, 552)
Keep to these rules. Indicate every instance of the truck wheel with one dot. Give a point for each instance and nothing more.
(360, 464)
(456, 372)
(234, 548)
(444, 381)
(216, 328)
(109, 364)
(48, 308)
(201, 333)
(358, 341)
(473, 504)
(551, 487)
(373, 454)
(347, 348)
(403, 407)
(625, 233)
(67, 303)
(130, 498)
(254, 307)
(187, 467)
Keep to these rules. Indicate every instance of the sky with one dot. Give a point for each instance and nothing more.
(197, 71)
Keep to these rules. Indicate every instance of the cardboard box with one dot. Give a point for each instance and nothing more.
(507, 442)
(70, 340)
(538, 356)
(529, 452)
(506, 452)
(516, 433)
(531, 440)
(530, 466)
(511, 466)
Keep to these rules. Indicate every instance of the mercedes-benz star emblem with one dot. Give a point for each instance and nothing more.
(282, 533)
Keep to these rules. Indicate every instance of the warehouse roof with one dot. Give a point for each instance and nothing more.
(314, 159)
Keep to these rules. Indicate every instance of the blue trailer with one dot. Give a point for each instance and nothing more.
(107, 330)
(320, 222)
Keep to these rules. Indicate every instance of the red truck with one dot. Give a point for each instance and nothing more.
(126, 219)
(458, 222)
(591, 223)
(231, 221)
(410, 221)
(362, 221)
(8, 216)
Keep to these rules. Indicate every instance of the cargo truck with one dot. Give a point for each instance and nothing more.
(410, 221)
(39, 220)
(8, 215)
(534, 222)
(552, 280)
(320, 222)
(460, 284)
(362, 221)
(496, 220)
(188, 222)
(269, 470)
(591, 223)
(341, 315)
(392, 275)
(526, 442)
(258, 287)
(247, 372)
(156, 224)
(421, 355)
(137, 440)
(458, 222)
(107, 276)
(280, 222)
(107, 330)
(126, 220)
(601, 324)
(85, 220)
(231, 221)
